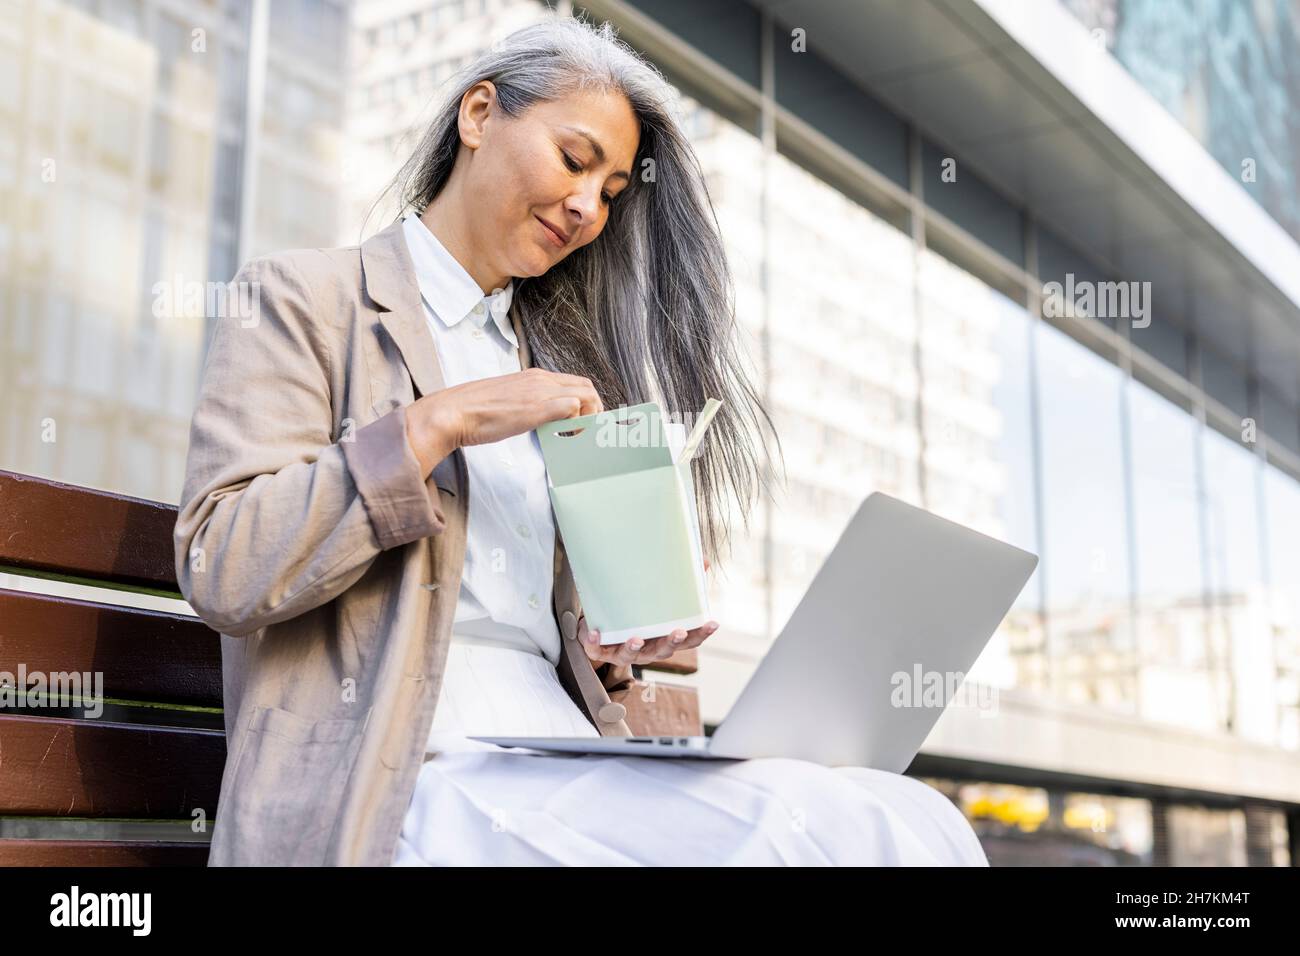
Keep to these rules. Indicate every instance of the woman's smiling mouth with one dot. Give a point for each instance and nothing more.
(553, 234)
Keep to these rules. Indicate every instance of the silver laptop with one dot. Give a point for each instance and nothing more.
(904, 595)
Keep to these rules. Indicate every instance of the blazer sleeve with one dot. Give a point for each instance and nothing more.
(278, 515)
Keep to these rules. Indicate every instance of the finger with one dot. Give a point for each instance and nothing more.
(696, 636)
(649, 652)
(629, 652)
(672, 640)
(581, 388)
(671, 645)
(591, 403)
(561, 407)
(612, 653)
(590, 641)
(569, 405)
(652, 650)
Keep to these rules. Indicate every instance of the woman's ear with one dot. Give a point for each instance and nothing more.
(476, 106)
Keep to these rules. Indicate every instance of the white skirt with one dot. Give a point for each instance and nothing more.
(479, 804)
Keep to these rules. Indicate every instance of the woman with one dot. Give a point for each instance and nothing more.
(365, 516)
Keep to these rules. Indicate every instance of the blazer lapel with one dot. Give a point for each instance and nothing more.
(389, 276)
(391, 283)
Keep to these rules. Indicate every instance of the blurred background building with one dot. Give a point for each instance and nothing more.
(898, 182)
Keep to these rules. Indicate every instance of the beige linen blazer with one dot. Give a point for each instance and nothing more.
(309, 540)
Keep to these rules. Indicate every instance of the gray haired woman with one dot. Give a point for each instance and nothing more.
(559, 256)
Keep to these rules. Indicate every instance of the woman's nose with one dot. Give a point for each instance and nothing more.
(584, 208)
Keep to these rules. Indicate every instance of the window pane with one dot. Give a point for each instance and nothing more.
(1239, 606)
(1180, 672)
(1090, 640)
(1282, 495)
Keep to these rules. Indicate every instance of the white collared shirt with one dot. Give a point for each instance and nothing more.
(505, 592)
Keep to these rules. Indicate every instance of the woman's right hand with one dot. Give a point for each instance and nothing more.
(491, 409)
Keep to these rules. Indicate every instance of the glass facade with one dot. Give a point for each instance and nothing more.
(118, 125)
(121, 153)
(1169, 582)
(1229, 71)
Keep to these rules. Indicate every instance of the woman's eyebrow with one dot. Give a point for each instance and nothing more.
(597, 149)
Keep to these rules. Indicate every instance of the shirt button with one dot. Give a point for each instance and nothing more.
(507, 461)
(532, 601)
(478, 333)
(523, 530)
(478, 309)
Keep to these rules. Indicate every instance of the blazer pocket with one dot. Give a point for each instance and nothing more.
(288, 787)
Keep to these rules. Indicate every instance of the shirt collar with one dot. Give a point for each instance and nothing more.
(448, 289)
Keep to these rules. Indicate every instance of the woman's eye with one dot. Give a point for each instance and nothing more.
(574, 167)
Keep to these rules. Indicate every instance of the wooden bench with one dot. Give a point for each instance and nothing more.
(121, 788)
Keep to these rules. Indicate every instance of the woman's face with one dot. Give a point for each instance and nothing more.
(542, 184)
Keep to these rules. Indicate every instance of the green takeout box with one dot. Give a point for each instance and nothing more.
(624, 501)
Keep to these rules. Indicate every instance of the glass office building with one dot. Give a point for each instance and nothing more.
(905, 189)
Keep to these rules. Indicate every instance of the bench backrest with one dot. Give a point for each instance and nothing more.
(136, 784)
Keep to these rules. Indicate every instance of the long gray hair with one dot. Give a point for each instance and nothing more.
(653, 291)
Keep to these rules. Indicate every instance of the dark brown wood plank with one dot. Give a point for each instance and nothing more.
(101, 853)
(682, 662)
(674, 711)
(86, 768)
(49, 526)
(144, 655)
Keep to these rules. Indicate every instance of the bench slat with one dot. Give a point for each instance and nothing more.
(53, 527)
(144, 655)
(86, 768)
(101, 853)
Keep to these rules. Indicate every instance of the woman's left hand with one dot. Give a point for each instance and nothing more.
(639, 650)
